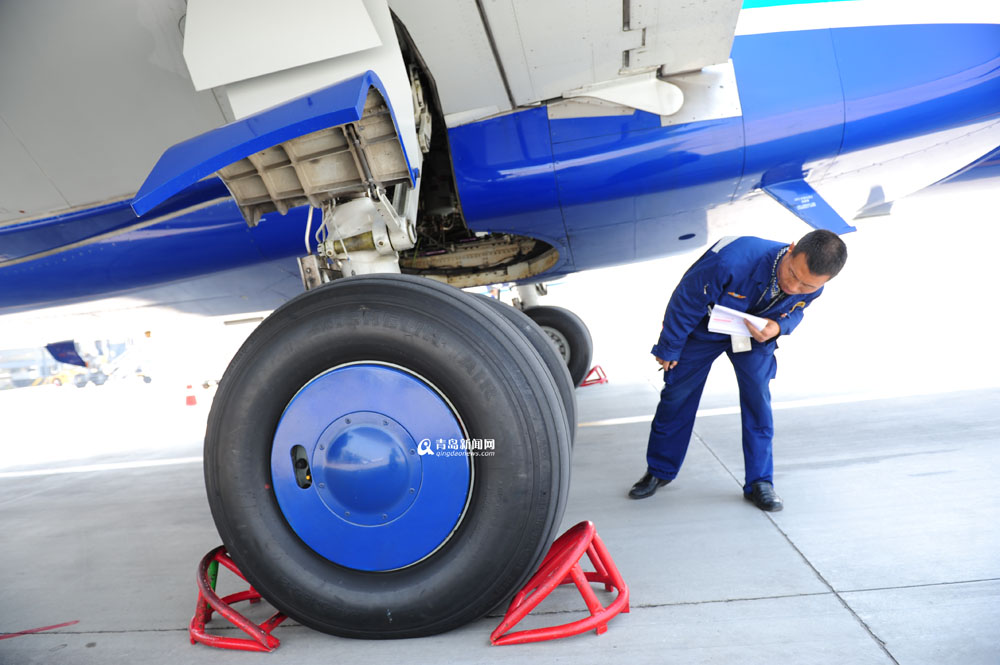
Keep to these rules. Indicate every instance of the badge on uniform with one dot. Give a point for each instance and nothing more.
(741, 343)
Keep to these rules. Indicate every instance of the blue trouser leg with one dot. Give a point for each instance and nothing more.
(673, 423)
(754, 371)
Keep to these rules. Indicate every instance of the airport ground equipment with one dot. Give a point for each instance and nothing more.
(595, 376)
(209, 601)
(562, 566)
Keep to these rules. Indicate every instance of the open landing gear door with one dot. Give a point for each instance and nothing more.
(335, 141)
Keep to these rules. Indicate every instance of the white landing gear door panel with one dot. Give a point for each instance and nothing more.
(257, 54)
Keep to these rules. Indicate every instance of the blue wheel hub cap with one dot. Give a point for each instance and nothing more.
(362, 469)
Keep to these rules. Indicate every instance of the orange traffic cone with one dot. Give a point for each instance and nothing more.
(191, 399)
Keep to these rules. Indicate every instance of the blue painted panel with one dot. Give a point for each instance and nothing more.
(670, 234)
(505, 177)
(187, 162)
(604, 245)
(903, 81)
(382, 497)
(601, 246)
(197, 243)
(799, 198)
(40, 235)
(648, 173)
(793, 109)
(25, 239)
(508, 182)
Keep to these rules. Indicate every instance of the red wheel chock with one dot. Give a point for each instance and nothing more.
(594, 376)
(562, 566)
(209, 601)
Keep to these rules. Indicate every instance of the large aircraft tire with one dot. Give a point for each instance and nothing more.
(571, 336)
(323, 468)
(549, 353)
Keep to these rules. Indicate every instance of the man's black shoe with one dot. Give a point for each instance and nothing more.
(646, 486)
(763, 496)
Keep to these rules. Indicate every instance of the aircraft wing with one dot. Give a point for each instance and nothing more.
(92, 127)
(515, 53)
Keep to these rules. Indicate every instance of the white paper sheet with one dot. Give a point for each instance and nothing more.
(730, 321)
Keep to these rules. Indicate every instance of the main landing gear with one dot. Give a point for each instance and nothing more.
(568, 333)
(570, 336)
(338, 462)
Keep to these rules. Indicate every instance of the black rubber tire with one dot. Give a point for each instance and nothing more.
(574, 331)
(546, 348)
(496, 382)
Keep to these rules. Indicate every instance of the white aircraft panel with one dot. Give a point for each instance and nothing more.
(709, 94)
(24, 189)
(683, 36)
(645, 92)
(94, 92)
(456, 49)
(233, 40)
(256, 94)
(548, 48)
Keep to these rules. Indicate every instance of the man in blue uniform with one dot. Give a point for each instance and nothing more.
(761, 277)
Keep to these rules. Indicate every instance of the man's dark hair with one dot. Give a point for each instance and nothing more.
(825, 252)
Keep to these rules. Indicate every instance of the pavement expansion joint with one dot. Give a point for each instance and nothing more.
(805, 559)
(921, 586)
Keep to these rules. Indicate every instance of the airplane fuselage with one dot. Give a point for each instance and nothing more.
(864, 114)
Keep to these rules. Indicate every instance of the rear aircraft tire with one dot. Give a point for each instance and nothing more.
(355, 373)
(570, 335)
(548, 351)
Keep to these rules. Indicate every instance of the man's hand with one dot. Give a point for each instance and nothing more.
(667, 365)
(770, 331)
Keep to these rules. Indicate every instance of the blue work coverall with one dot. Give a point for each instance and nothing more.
(735, 272)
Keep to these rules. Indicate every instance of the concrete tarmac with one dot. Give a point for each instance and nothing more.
(888, 550)
(887, 414)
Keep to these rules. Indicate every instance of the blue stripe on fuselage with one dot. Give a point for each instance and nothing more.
(194, 243)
